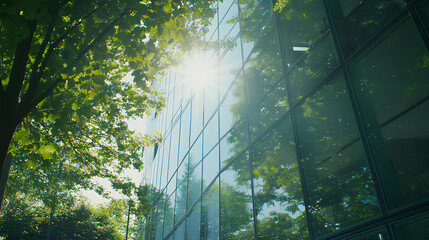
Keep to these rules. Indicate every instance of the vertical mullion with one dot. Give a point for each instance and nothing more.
(357, 112)
(218, 116)
(246, 103)
(292, 115)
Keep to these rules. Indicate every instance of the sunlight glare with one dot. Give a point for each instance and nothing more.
(199, 73)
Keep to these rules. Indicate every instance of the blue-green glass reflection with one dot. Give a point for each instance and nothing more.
(210, 213)
(339, 183)
(357, 21)
(278, 193)
(391, 82)
(308, 47)
(236, 201)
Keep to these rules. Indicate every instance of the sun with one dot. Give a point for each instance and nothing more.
(199, 72)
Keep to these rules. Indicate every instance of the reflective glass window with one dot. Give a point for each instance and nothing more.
(228, 16)
(171, 186)
(339, 183)
(357, 21)
(197, 115)
(254, 17)
(193, 223)
(373, 235)
(164, 169)
(210, 166)
(159, 218)
(211, 132)
(308, 47)
(210, 213)
(196, 153)
(174, 149)
(211, 90)
(169, 215)
(181, 201)
(414, 229)
(236, 201)
(391, 81)
(234, 142)
(423, 10)
(230, 62)
(277, 183)
(264, 67)
(182, 170)
(232, 107)
(184, 133)
(272, 106)
(179, 233)
(194, 185)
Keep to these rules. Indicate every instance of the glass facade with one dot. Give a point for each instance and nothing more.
(312, 123)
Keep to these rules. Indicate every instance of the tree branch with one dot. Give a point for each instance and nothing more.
(28, 105)
(37, 74)
(17, 74)
(34, 77)
(102, 34)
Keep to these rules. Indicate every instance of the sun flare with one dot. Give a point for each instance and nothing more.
(199, 73)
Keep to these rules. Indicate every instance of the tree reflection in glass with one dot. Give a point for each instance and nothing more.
(277, 183)
(391, 83)
(236, 201)
(310, 55)
(339, 183)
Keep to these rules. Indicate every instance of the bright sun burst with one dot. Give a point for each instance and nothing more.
(199, 73)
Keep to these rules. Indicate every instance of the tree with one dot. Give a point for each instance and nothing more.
(23, 220)
(62, 65)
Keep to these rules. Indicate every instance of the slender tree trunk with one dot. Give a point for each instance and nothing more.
(128, 221)
(4, 177)
(6, 133)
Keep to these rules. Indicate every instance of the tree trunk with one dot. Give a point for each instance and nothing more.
(7, 129)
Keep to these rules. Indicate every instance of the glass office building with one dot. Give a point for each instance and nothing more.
(312, 122)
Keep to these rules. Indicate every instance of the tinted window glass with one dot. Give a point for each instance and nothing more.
(339, 182)
(391, 81)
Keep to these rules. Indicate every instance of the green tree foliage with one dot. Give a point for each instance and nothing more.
(62, 65)
(20, 219)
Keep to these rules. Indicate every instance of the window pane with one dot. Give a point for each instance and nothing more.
(392, 85)
(232, 107)
(265, 67)
(210, 166)
(181, 201)
(184, 133)
(339, 183)
(357, 20)
(210, 211)
(277, 183)
(254, 16)
(234, 143)
(211, 134)
(174, 149)
(423, 10)
(415, 229)
(197, 115)
(194, 185)
(310, 55)
(196, 153)
(375, 235)
(236, 201)
(193, 223)
(228, 15)
(169, 215)
(179, 233)
(230, 62)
